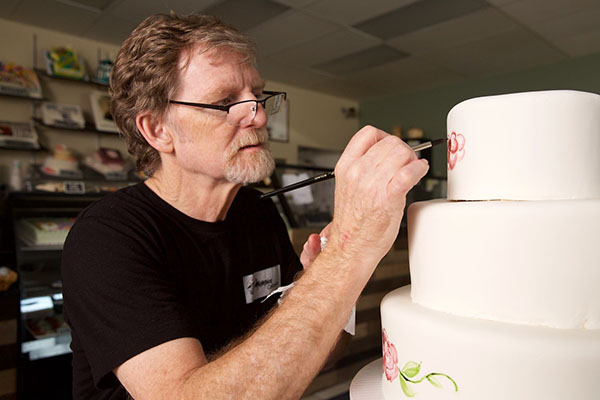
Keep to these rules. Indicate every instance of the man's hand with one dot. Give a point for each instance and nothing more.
(312, 247)
(372, 178)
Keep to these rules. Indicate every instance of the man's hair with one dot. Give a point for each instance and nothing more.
(145, 73)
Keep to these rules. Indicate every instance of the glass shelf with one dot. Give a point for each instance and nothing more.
(22, 97)
(43, 73)
(47, 347)
(87, 128)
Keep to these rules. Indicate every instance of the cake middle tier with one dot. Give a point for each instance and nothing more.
(525, 262)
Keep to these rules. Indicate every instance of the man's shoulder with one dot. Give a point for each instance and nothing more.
(118, 203)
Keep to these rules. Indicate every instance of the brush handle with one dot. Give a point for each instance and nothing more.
(329, 175)
(297, 185)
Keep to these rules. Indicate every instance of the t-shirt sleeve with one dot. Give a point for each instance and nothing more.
(117, 298)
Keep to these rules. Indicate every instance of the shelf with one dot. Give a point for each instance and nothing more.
(39, 248)
(34, 201)
(21, 148)
(88, 128)
(44, 74)
(22, 97)
(88, 183)
(47, 347)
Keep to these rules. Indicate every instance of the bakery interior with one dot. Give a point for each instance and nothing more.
(399, 65)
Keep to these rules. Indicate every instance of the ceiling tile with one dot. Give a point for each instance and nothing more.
(405, 75)
(272, 70)
(92, 5)
(418, 15)
(361, 60)
(505, 52)
(474, 26)
(7, 7)
(327, 47)
(501, 2)
(581, 45)
(289, 29)
(351, 12)
(245, 14)
(68, 19)
(346, 87)
(533, 11)
(569, 25)
(184, 7)
(295, 3)
(138, 10)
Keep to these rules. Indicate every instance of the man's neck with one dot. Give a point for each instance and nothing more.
(199, 197)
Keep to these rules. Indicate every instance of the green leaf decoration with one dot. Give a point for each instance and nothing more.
(405, 388)
(434, 381)
(411, 369)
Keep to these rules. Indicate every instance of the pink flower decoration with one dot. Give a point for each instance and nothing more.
(390, 358)
(456, 149)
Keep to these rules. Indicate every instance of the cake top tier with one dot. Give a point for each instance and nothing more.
(525, 146)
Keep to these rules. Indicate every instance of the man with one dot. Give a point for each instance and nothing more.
(164, 281)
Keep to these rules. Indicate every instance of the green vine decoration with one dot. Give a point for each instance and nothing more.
(411, 369)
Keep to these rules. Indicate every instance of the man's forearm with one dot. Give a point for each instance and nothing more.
(280, 358)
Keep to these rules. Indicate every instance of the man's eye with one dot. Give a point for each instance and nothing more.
(225, 102)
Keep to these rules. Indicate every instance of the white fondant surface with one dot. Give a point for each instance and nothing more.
(526, 262)
(366, 384)
(526, 146)
(488, 360)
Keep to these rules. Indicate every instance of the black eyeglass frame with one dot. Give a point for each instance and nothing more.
(228, 106)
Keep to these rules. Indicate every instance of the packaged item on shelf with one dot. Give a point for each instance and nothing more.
(47, 327)
(109, 163)
(44, 231)
(61, 164)
(7, 278)
(62, 115)
(55, 187)
(62, 61)
(103, 71)
(18, 135)
(15, 182)
(19, 81)
(101, 110)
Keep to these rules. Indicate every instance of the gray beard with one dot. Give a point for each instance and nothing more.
(249, 169)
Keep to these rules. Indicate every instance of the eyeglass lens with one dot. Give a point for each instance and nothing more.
(244, 113)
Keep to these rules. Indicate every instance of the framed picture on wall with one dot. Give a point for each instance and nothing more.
(101, 109)
(277, 125)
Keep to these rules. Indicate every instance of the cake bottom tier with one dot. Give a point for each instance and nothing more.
(434, 355)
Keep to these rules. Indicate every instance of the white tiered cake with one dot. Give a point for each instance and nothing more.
(505, 295)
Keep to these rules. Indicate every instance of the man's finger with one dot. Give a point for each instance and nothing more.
(360, 143)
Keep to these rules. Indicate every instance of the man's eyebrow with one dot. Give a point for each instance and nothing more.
(259, 86)
(223, 90)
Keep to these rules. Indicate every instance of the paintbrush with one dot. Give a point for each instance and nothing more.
(329, 175)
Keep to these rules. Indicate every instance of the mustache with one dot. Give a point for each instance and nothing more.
(253, 138)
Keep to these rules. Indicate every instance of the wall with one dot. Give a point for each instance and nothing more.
(315, 119)
(428, 109)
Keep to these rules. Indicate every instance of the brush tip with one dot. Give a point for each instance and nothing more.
(438, 141)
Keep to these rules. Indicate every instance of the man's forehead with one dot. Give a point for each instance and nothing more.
(237, 69)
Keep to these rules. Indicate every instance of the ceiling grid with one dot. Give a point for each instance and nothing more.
(354, 48)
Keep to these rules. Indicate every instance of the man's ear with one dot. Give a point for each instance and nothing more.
(155, 132)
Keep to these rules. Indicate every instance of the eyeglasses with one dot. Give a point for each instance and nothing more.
(243, 112)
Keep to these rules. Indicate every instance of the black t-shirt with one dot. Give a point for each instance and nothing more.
(137, 273)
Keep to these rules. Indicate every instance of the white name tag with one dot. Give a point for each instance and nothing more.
(261, 283)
